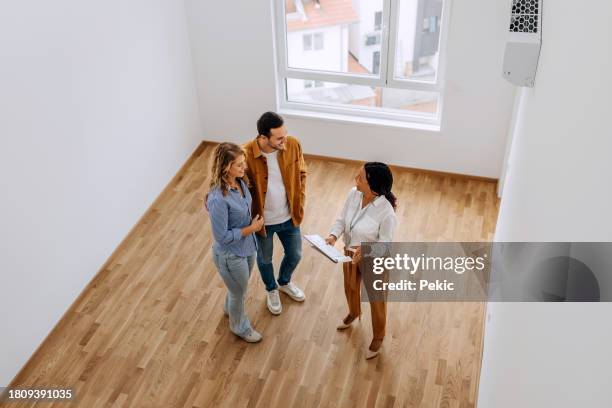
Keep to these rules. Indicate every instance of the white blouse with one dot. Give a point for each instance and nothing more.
(375, 222)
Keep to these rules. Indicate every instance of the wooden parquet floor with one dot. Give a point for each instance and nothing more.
(149, 330)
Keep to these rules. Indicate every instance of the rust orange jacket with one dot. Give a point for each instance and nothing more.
(293, 170)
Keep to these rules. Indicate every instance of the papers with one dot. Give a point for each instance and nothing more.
(327, 250)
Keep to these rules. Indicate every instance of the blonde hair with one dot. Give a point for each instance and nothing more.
(224, 155)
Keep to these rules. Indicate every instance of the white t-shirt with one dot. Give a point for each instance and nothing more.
(276, 208)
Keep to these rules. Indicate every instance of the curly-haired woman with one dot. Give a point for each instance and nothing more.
(229, 207)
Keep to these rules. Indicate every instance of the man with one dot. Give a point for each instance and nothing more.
(277, 172)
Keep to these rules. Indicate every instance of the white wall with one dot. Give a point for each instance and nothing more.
(477, 107)
(557, 189)
(98, 111)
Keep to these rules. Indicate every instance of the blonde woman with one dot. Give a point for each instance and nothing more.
(229, 207)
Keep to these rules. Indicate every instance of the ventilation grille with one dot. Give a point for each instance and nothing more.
(525, 16)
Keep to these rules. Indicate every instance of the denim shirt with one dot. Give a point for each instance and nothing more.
(228, 215)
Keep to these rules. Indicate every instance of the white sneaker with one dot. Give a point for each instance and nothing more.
(293, 291)
(274, 303)
(253, 337)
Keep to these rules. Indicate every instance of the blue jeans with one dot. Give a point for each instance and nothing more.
(291, 239)
(235, 271)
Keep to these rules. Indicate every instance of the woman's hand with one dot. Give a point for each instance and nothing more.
(356, 255)
(331, 240)
(257, 223)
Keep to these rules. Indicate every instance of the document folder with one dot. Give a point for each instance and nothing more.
(327, 250)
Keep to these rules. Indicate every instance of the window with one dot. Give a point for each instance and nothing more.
(372, 39)
(309, 39)
(378, 20)
(310, 84)
(376, 62)
(318, 41)
(430, 24)
(392, 73)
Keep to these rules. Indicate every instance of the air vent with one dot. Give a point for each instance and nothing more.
(524, 42)
(525, 16)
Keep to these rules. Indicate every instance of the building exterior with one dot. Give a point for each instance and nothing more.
(346, 36)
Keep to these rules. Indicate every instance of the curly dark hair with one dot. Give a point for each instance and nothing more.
(380, 180)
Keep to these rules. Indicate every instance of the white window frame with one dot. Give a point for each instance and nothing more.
(384, 79)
